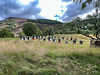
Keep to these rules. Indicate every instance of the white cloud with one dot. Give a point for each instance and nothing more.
(12, 8)
(50, 8)
(40, 9)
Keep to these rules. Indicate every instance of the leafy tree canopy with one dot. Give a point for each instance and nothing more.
(29, 29)
(86, 2)
(48, 31)
(6, 33)
(90, 25)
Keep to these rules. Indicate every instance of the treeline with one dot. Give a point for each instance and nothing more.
(30, 29)
(67, 28)
(45, 21)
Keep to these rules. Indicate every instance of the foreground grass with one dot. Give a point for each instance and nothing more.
(19, 57)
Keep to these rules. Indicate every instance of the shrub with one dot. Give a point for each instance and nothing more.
(6, 33)
(21, 34)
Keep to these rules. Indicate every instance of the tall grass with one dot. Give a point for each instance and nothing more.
(34, 57)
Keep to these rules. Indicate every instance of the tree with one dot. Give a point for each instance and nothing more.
(39, 32)
(29, 29)
(77, 22)
(51, 31)
(6, 33)
(94, 19)
(90, 24)
(84, 3)
(48, 31)
(45, 31)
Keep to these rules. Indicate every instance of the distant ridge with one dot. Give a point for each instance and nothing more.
(15, 24)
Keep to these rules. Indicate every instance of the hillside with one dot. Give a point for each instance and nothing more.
(16, 24)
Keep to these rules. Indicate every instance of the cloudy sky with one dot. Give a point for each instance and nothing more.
(61, 10)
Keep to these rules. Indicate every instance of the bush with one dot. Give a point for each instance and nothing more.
(21, 34)
(61, 32)
(6, 33)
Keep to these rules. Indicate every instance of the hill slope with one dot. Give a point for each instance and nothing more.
(16, 24)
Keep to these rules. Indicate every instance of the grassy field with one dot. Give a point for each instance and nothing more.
(34, 57)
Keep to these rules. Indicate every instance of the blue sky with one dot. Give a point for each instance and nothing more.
(61, 10)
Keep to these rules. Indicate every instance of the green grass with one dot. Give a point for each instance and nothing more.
(33, 57)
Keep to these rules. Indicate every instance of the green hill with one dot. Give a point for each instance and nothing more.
(16, 24)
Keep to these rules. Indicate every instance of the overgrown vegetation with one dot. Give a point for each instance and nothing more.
(4, 33)
(19, 57)
(21, 34)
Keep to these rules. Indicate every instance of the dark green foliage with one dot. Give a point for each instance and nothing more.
(48, 31)
(86, 2)
(21, 34)
(90, 25)
(29, 29)
(67, 28)
(44, 21)
(94, 19)
(1, 22)
(51, 31)
(48, 72)
(61, 32)
(57, 32)
(6, 33)
(45, 31)
(39, 32)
